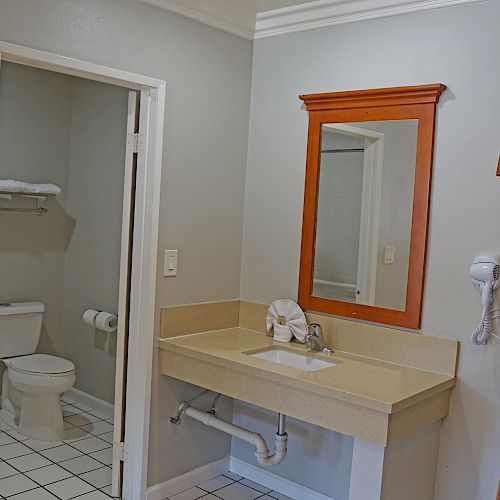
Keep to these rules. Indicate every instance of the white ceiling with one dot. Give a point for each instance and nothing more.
(262, 18)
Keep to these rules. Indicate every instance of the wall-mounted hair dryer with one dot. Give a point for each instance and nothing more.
(485, 273)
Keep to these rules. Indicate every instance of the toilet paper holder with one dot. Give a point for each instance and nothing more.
(101, 320)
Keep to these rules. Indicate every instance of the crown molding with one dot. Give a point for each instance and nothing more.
(322, 13)
(391, 96)
(234, 16)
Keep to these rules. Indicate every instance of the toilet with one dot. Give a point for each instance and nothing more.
(32, 383)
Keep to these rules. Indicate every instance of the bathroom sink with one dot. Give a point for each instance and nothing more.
(307, 362)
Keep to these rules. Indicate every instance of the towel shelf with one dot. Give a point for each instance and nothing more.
(40, 202)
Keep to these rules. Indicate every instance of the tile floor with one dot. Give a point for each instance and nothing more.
(229, 486)
(77, 467)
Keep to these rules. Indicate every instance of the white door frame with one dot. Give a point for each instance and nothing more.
(371, 195)
(145, 244)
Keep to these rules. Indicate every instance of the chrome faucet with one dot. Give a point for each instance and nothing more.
(315, 340)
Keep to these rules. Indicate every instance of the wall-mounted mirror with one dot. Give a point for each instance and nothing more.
(366, 202)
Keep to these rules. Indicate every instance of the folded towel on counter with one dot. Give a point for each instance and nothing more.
(282, 333)
(12, 186)
(286, 313)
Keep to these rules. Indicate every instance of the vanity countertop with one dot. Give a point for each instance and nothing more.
(359, 396)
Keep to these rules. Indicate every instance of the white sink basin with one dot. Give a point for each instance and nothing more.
(307, 362)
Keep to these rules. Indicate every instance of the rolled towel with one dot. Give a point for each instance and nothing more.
(13, 186)
(282, 333)
(287, 313)
(10, 186)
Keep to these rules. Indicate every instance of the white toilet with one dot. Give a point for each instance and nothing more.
(32, 383)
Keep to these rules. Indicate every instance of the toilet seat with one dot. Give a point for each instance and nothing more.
(41, 364)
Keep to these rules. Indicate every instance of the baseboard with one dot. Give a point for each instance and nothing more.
(273, 481)
(92, 401)
(188, 480)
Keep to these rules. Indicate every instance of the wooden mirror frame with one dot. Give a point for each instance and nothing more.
(397, 103)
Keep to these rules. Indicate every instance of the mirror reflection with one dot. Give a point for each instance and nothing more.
(364, 211)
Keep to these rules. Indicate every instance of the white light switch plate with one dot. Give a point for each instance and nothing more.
(389, 252)
(170, 263)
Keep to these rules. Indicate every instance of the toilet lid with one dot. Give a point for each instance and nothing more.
(42, 363)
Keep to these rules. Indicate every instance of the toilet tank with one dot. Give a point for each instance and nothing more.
(20, 328)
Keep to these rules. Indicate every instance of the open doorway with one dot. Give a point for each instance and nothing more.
(348, 213)
(102, 257)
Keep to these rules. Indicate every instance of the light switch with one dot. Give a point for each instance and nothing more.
(389, 252)
(170, 263)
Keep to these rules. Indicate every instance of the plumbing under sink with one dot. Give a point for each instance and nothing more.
(307, 362)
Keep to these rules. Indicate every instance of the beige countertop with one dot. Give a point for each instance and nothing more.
(360, 396)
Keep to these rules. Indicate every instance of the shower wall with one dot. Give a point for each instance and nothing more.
(69, 131)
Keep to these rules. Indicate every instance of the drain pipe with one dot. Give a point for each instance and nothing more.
(261, 450)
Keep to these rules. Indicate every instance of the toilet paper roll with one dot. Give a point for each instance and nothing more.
(106, 322)
(89, 316)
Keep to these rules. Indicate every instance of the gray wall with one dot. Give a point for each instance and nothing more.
(208, 75)
(413, 49)
(95, 198)
(35, 113)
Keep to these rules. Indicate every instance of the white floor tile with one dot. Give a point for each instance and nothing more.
(104, 456)
(28, 462)
(98, 428)
(90, 445)
(37, 494)
(4, 426)
(267, 497)
(233, 476)
(278, 496)
(67, 425)
(81, 419)
(6, 470)
(6, 439)
(107, 490)
(36, 445)
(13, 450)
(68, 399)
(16, 484)
(69, 410)
(82, 406)
(108, 437)
(191, 494)
(237, 491)
(101, 415)
(61, 453)
(18, 437)
(80, 465)
(94, 495)
(255, 486)
(99, 477)
(75, 434)
(215, 484)
(69, 488)
(49, 474)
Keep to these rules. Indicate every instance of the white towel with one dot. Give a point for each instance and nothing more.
(12, 186)
(282, 333)
(293, 317)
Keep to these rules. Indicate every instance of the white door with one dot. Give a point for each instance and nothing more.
(131, 159)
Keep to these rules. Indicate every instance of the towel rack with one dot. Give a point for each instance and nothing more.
(40, 202)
